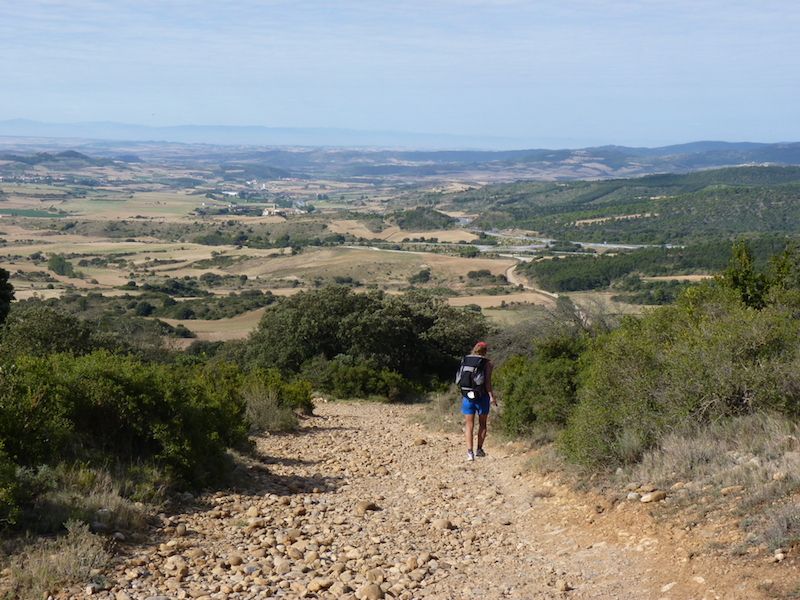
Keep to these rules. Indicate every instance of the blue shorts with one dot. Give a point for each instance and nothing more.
(479, 405)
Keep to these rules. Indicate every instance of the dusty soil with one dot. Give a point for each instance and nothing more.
(364, 504)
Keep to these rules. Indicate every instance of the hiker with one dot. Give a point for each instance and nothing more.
(474, 378)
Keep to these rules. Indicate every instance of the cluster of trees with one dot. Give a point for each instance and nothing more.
(637, 291)
(59, 265)
(574, 273)
(295, 239)
(485, 277)
(423, 218)
(727, 347)
(349, 343)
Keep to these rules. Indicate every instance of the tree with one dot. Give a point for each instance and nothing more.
(415, 335)
(742, 276)
(60, 265)
(6, 294)
(39, 331)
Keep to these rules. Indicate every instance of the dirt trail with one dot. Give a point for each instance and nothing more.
(514, 279)
(363, 504)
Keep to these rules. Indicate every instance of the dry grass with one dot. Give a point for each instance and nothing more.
(547, 460)
(758, 452)
(234, 328)
(441, 413)
(93, 496)
(443, 235)
(49, 566)
(265, 414)
(781, 528)
(501, 300)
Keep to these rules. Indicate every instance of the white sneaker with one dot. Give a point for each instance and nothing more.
(470, 455)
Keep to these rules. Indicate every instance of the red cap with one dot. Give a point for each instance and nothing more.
(481, 345)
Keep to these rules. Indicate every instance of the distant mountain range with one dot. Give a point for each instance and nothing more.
(374, 156)
(247, 135)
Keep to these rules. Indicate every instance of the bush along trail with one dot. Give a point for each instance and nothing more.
(363, 504)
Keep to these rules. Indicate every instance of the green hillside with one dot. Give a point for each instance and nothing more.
(654, 209)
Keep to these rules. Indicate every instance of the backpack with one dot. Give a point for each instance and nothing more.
(471, 375)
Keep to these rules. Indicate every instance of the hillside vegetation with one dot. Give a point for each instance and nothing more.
(574, 273)
(656, 209)
(80, 397)
(651, 395)
(422, 219)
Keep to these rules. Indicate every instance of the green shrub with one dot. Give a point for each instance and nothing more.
(101, 405)
(705, 358)
(540, 391)
(347, 377)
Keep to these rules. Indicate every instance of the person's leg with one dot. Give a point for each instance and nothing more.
(482, 430)
(468, 429)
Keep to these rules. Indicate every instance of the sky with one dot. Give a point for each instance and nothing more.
(538, 73)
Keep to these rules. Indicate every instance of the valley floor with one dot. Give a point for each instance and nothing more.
(362, 503)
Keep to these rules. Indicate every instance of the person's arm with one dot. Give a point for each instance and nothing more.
(489, 369)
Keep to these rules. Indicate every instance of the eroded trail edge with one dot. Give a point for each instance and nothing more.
(362, 503)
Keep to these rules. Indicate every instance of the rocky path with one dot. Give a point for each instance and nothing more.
(364, 504)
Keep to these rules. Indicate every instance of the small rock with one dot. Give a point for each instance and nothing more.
(121, 596)
(563, 586)
(371, 591)
(779, 476)
(668, 587)
(253, 512)
(180, 530)
(318, 584)
(99, 527)
(282, 566)
(731, 489)
(420, 442)
(653, 496)
(365, 506)
(442, 524)
(634, 496)
(235, 560)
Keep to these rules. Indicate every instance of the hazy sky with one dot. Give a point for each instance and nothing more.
(545, 72)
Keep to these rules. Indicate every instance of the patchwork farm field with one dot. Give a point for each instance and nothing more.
(129, 231)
